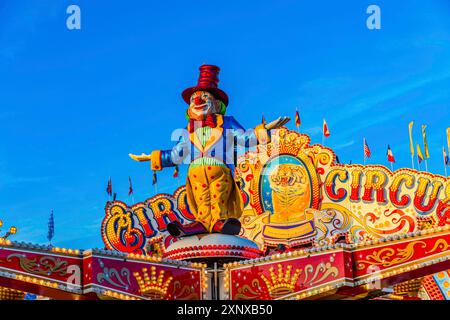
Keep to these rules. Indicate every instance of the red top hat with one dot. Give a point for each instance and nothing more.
(207, 81)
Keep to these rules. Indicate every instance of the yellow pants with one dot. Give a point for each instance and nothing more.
(213, 195)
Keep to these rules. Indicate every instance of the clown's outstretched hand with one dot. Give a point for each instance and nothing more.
(141, 158)
(263, 130)
(278, 123)
(154, 158)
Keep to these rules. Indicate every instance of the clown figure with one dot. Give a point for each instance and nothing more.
(209, 146)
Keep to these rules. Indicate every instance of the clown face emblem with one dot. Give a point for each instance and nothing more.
(202, 103)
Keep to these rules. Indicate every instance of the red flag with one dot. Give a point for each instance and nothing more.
(390, 155)
(367, 152)
(130, 191)
(326, 132)
(109, 187)
(297, 119)
(175, 172)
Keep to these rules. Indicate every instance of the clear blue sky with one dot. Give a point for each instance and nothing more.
(73, 104)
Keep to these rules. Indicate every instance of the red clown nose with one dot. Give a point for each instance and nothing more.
(198, 101)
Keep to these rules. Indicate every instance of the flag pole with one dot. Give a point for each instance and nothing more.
(443, 158)
(130, 191)
(323, 132)
(364, 150)
(155, 182)
(445, 168)
(426, 165)
(411, 142)
(109, 189)
(392, 166)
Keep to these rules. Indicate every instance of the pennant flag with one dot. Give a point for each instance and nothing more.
(297, 119)
(420, 157)
(155, 179)
(390, 155)
(109, 187)
(337, 160)
(326, 131)
(448, 138)
(425, 143)
(411, 142)
(367, 152)
(175, 172)
(51, 227)
(446, 158)
(263, 120)
(130, 190)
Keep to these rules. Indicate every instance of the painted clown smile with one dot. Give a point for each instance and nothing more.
(201, 106)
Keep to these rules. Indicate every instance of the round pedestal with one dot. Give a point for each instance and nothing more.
(212, 247)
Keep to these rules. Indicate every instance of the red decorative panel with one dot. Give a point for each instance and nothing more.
(45, 266)
(289, 276)
(150, 279)
(407, 252)
(106, 273)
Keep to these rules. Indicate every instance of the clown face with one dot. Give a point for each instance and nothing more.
(202, 104)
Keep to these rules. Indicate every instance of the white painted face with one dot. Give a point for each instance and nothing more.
(202, 104)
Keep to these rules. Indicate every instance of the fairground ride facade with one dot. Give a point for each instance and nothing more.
(312, 228)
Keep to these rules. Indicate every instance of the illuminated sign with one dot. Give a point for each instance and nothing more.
(295, 193)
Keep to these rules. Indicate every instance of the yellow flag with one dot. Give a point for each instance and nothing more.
(411, 142)
(419, 153)
(448, 138)
(425, 143)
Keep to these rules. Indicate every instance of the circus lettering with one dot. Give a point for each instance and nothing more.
(295, 193)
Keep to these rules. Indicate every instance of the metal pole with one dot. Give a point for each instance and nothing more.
(364, 150)
(216, 283)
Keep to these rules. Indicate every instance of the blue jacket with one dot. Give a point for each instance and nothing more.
(228, 141)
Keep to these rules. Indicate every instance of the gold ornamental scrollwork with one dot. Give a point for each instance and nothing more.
(186, 292)
(249, 292)
(284, 280)
(354, 223)
(46, 265)
(321, 272)
(388, 257)
(441, 245)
